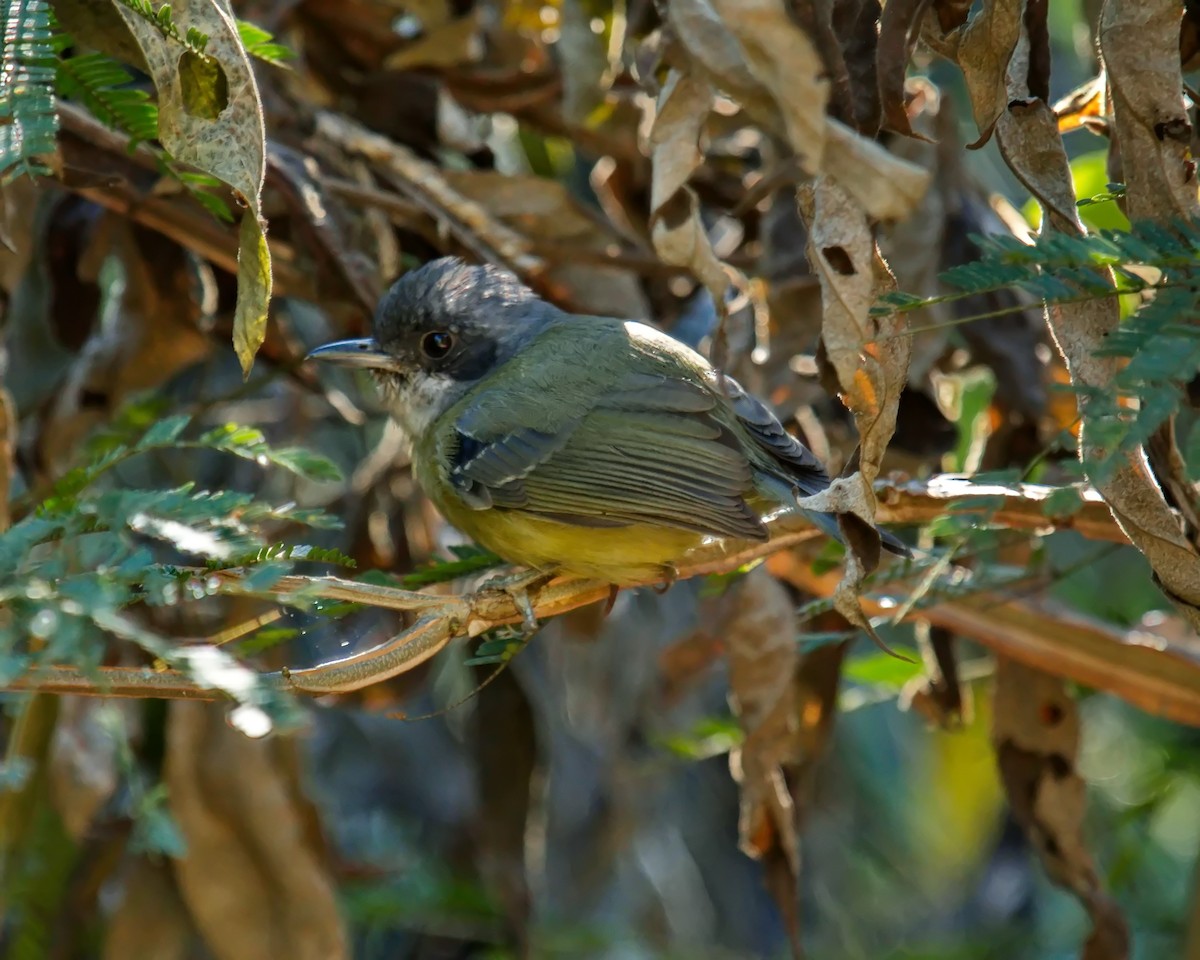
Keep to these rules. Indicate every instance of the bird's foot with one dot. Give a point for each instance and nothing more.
(670, 574)
(517, 586)
(611, 602)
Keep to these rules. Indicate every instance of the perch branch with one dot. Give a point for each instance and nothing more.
(1156, 674)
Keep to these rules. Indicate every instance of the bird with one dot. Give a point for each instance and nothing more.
(589, 446)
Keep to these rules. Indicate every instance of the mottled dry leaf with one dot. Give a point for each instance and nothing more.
(984, 49)
(252, 881)
(232, 145)
(774, 71)
(898, 28)
(887, 187)
(1033, 148)
(760, 632)
(870, 354)
(1151, 119)
(226, 138)
(785, 62)
(675, 226)
(1035, 731)
(714, 53)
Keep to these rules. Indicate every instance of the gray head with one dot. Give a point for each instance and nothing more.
(439, 330)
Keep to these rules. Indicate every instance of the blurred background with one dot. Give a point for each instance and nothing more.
(580, 804)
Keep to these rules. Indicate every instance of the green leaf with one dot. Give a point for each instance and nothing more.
(28, 116)
(1063, 502)
(203, 85)
(710, 737)
(250, 444)
(305, 463)
(259, 43)
(253, 293)
(881, 669)
(154, 829)
(450, 570)
(1191, 454)
(164, 432)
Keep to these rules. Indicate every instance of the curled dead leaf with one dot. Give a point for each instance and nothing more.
(1035, 731)
(1150, 116)
(676, 229)
(251, 879)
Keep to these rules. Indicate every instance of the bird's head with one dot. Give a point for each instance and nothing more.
(438, 331)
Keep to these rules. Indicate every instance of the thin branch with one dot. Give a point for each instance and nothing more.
(1156, 674)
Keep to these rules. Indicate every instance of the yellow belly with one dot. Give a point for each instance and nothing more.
(620, 555)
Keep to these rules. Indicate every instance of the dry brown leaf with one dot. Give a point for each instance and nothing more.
(1032, 146)
(152, 919)
(983, 48)
(676, 230)
(232, 144)
(547, 213)
(760, 632)
(1035, 731)
(887, 187)
(856, 24)
(869, 354)
(786, 64)
(898, 28)
(1151, 118)
(445, 45)
(215, 123)
(714, 53)
(252, 880)
(1082, 105)
(782, 61)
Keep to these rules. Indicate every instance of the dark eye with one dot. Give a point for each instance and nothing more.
(437, 344)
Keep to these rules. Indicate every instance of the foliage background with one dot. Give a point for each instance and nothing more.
(580, 804)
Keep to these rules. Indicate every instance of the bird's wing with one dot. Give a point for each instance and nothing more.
(798, 465)
(655, 450)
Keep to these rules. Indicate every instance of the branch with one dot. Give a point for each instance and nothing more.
(1151, 671)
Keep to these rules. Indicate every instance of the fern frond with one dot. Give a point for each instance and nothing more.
(102, 84)
(1160, 340)
(28, 117)
(163, 21)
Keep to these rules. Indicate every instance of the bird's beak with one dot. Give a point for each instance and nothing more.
(354, 353)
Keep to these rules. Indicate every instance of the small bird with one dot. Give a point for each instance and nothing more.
(570, 444)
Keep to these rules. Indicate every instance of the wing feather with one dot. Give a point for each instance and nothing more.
(655, 451)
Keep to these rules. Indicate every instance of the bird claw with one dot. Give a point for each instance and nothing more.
(516, 587)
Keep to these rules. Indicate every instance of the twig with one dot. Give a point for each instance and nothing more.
(1145, 669)
(425, 186)
(174, 217)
